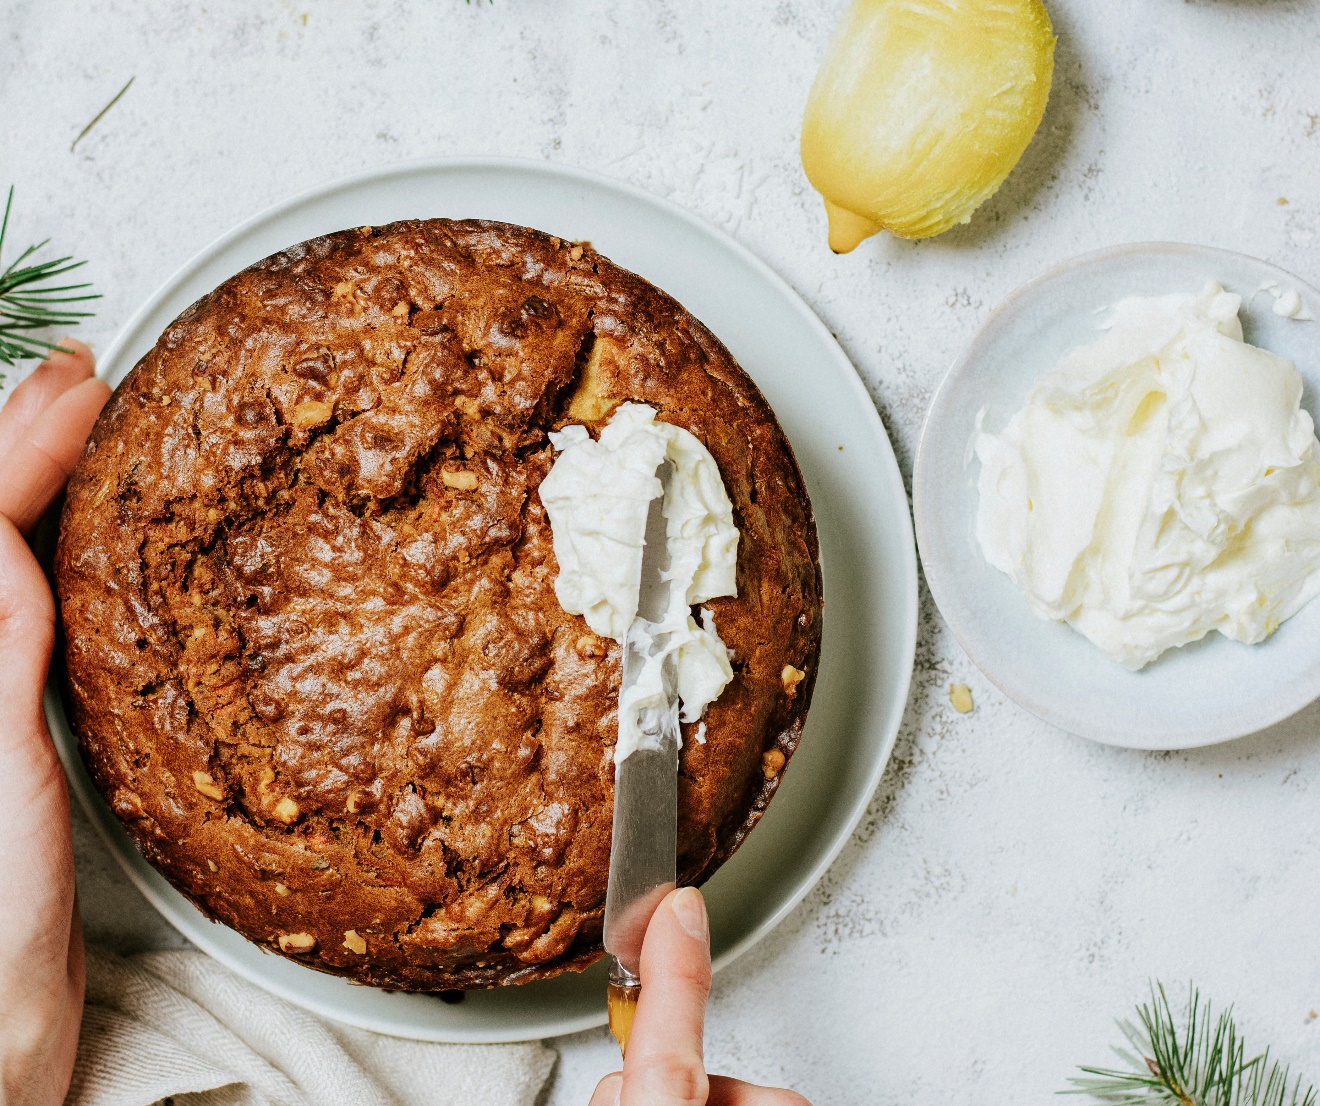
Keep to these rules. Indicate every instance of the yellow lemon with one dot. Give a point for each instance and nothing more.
(920, 110)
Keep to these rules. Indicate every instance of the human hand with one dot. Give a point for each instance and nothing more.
(42, 431)
(664, 1065)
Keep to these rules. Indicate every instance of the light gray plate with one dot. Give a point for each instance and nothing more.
(855, 488)
(1211, 691)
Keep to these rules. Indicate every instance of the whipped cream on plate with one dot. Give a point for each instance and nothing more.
(598, 494)
(1288, 302)
(1158, 484)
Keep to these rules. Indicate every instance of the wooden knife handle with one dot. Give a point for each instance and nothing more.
(624, 991)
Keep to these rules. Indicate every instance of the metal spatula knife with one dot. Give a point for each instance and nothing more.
(642, 851)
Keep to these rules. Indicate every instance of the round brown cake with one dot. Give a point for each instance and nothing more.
(312, 646)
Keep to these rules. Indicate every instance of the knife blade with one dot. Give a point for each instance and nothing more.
(643, 846)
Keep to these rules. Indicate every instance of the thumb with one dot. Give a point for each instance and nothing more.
(664, 1065)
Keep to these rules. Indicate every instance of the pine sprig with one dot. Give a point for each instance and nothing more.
(1203, 1063)
(31, 299)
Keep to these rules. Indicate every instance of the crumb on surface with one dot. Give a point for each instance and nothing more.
(960, 696)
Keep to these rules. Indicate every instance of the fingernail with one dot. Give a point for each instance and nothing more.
(690, 910)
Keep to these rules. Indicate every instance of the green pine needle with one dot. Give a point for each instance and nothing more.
(101, 114)
(32, 299)
(1203, 1063)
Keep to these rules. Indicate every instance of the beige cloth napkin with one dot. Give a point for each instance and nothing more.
(178, 1024)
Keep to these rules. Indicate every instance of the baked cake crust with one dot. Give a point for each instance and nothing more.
(312, 648)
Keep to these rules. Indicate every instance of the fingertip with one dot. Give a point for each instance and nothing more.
(91, 394)
(98, 388)
(689, 907)
(81, 350)
(677, 945)
(608, 1090)
(79, 356)
(62, 429)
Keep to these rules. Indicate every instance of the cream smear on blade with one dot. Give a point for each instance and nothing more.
(1159, 483)
(597, 495)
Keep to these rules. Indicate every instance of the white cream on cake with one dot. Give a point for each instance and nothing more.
(598, 494)
(1159, 483)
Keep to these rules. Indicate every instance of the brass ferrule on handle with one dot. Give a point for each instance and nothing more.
(624, 991)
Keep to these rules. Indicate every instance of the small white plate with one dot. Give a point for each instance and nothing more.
(1211, 691)
(861, 511)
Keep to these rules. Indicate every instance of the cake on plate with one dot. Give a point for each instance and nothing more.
(313, 652)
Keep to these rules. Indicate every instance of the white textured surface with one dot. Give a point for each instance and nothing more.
(1012, 888)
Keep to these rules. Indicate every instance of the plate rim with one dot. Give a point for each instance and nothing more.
(936, 580)
(177, 913)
